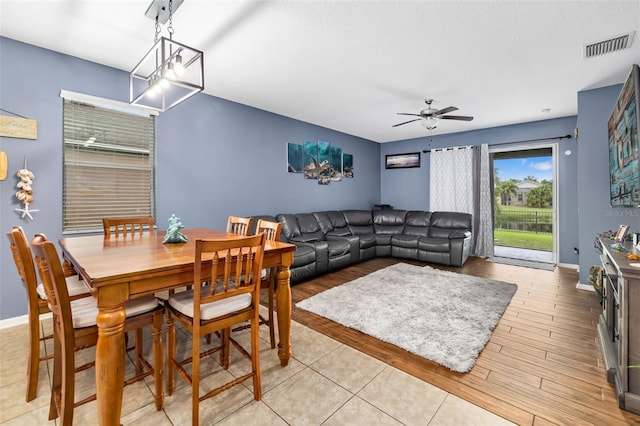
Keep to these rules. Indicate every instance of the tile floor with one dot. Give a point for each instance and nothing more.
(325, 383)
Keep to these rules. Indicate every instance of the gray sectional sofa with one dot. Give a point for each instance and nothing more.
(330, 240)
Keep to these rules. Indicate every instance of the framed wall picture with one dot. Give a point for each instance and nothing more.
(336, 163)
(347, 165)
(310, 160)
(324, 163)
(622, 233)
(402, 161)
(294, 158)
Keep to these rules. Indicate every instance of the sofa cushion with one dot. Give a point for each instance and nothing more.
(290, 226)
(417, 223)
(303, 255)
(323, 221)
(338, 248)
(337, 219)
(307, 223)
(439, 245)
(359, 221)
(367, 240)
(442, 223)
(402, 240)
(388, 221)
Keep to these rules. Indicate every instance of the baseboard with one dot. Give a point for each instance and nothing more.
(569, 265)
(587, 287)
(22, 319)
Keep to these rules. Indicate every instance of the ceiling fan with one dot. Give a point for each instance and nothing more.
(430, 116)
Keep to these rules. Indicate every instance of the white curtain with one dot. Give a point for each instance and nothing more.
(451, 180)
(483, 215)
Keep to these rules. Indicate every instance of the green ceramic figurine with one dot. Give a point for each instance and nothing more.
(173, 231)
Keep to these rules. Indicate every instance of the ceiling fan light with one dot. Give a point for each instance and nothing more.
(429, 122)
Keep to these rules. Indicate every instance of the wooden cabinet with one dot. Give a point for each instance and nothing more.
(619, 325)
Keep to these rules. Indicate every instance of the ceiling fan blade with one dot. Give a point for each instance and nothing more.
(408, 113)
(410, 121)
(456, 117)
(445, 110)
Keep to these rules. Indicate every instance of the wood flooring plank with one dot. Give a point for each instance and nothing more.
(542, 365)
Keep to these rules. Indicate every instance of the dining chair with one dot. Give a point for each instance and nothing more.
(129, 225)
(74, 328)
(239, 225)
(232, 267)
(36, 303)
(267, 277)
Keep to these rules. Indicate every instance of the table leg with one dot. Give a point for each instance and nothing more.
(110, 364)
(283, 300)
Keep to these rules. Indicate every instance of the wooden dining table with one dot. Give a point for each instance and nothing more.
(119, 269)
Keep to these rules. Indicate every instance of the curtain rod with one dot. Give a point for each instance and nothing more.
(527, 140)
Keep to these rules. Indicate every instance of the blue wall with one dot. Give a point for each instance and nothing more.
(209, 151)
(596, 215)
(401, 187)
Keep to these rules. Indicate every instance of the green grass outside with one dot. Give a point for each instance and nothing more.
(529, 240)
(524, 209)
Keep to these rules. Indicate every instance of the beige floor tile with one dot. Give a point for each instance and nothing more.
(309, 346)
(404, 397)
(358, 412)
(306, 398)
(178, 406)
(39, 416)
(12, 400)
(456, 411)
(255, 413)
(349, 368)
(146, 416)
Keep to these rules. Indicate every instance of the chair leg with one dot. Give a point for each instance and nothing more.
(171, 353)
(56, 381)
(33, 363)
(195, 379)
(255, 359)
(158, 318)
(137, 350)
(68, 385)
(272, 281)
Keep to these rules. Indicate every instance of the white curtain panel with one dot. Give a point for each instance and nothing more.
(451, 180)
(484, 233)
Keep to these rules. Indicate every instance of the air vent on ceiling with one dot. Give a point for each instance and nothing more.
(607, 46)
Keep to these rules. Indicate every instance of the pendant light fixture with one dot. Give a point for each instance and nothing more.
(170, 72)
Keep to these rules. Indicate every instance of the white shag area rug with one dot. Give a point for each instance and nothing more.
(440, 315)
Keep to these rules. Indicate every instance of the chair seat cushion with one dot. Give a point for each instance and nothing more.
(85, 310)
(183, 303)
(75, 287)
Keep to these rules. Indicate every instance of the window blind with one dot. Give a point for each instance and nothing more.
(108, 165)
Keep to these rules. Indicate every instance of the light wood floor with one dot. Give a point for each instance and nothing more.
(542, 365)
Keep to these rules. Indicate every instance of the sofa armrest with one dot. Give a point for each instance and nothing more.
(459, 234)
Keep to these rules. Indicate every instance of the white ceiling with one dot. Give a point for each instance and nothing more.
(352, 65)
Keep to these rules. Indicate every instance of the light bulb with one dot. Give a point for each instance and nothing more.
(177, 67)
(170, 73)
(163, 83)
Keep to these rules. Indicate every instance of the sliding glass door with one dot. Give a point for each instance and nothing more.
(524, 183)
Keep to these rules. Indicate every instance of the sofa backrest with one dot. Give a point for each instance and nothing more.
(290, 228)
(332, 222)
(309, 228)
(359, 221)
(388, 221)
(442, 223)
(417, 222)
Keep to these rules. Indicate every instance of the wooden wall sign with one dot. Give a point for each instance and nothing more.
(16, 127)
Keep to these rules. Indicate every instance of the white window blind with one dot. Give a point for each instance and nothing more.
(108, 171)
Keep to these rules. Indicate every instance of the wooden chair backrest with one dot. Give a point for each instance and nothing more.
(271, 229)
(127, 225)
(239, 225)
(233, 265)
(23, 259)
(52, 276)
